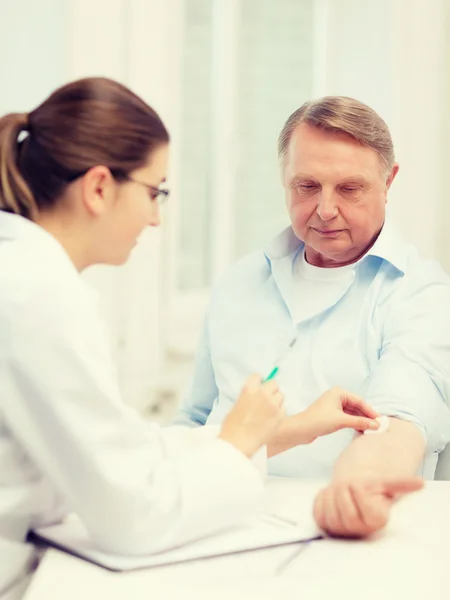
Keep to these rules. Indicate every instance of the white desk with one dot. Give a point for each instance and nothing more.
(409, 560)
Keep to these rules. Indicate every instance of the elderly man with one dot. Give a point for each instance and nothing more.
(367, 313)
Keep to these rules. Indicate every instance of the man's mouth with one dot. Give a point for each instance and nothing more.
(327, 232)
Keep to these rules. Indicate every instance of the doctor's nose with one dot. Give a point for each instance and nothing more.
(155, 215)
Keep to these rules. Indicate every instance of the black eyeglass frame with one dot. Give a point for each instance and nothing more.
(159, 195)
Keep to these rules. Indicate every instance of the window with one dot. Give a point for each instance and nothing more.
(247, 65)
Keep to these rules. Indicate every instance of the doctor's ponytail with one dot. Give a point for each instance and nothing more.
(89, 122)
(15, 194)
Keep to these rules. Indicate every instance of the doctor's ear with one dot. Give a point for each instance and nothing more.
(98, 190)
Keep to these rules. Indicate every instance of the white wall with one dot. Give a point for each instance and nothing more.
(391, 54)
(135, 42)
(32, 57)
(46, 43)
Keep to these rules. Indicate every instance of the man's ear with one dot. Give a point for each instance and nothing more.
(392, 176)
(98, 189)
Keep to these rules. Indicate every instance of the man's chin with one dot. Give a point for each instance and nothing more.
(327, 254)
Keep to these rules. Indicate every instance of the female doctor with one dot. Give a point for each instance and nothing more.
(79, 181)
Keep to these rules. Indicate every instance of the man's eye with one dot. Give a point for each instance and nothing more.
(306, 187)
(349, 189)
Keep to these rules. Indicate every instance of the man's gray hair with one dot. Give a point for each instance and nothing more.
(342, 114)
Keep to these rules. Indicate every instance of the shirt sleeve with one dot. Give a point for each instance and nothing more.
(138, 488)
(411, 378)
(184, 437)
(202, 390)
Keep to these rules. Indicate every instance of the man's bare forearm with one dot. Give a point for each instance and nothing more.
(396, 453)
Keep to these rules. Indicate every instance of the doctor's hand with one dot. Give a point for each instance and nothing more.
(337, 409)
(360, 507)
(255, 416)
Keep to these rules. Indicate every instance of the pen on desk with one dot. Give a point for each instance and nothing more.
(275, 370)
(285, 563)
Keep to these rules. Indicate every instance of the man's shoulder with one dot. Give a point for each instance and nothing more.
(241, 283)
(423, 272)
(251, 269)
(422, 285)
(404, 262)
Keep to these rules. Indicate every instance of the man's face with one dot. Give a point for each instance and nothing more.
(336, 192)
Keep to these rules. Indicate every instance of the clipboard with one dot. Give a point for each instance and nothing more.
(72, 537)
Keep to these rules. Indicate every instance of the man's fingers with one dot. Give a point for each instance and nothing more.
(373, 508)
(333, 523)
(402, 486)
(318, 510)
(349, 514)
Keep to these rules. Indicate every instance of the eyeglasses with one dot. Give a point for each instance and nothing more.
(158, 195)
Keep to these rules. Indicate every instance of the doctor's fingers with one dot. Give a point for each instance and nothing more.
(358, 423)
(252, 384)
(277, 399)
(270, 387)
(355, 405)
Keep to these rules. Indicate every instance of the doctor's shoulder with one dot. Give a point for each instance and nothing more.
(39, 285)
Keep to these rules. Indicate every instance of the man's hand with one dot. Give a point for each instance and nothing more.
(360, 507)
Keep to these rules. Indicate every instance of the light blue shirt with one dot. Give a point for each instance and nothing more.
(384, 336)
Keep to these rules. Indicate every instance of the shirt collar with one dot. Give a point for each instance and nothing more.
(16, 227)
(284, 244)
(388, 246)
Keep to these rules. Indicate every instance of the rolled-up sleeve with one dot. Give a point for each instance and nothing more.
(411, 378)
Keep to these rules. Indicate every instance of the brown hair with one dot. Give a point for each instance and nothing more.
(94, 121)
(342, 114)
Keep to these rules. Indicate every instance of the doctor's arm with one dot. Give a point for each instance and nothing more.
(136, 487)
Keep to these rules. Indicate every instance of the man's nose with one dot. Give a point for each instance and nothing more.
(326, 206)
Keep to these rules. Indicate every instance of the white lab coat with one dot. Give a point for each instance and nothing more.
(68, 442)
